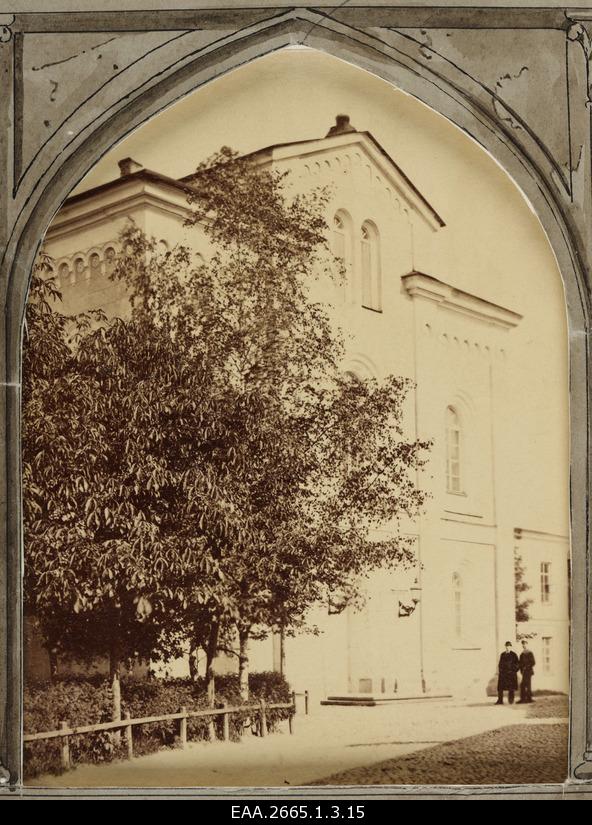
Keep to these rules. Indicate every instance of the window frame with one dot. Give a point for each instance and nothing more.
(458, 431)
(545, 582)
(546, 654)
(370, 273)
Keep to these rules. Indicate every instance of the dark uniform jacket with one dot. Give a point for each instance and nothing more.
(527, 662)
(508, 671)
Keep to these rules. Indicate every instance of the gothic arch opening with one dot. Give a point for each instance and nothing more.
(471, 305)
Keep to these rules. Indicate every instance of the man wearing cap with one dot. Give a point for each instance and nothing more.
(527, 664)
(507, 678)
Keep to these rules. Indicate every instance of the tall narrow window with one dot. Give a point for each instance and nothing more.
(546, 640)
(453, 451)
(545, 582)
(342, 248)
(370, 262)
(339, 237)
(457, 604)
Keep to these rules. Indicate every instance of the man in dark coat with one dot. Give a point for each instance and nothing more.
(507, 678)
(527, 664)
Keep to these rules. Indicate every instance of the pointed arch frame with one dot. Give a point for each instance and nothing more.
(36, 193)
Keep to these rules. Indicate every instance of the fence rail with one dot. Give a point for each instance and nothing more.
(127, 724)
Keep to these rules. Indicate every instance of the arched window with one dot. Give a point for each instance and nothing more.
(64, 275)
(79, 268)
(339, 237)
(95, 265)
(342, 242)
(109, 260)
(453, 451)
(457, 604)
(370, 261)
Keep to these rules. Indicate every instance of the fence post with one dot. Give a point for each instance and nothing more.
(225, 724)
(129, 737)
(211, 729)
(183, 727)
(65, 747)
(306, 703)
(263, 722)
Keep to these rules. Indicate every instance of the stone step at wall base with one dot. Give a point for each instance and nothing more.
(374, 699)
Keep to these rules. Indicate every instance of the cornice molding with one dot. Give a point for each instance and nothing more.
(419, 285)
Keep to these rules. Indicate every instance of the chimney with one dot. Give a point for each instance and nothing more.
(128, 166)
(342, 126)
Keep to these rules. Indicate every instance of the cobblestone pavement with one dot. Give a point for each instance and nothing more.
(517, 754)
(343, 741)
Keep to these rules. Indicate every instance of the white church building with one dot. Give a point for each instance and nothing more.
(438, 629)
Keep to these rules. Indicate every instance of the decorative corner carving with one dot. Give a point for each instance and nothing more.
(579, 31)
(584, 770)
(6, 21)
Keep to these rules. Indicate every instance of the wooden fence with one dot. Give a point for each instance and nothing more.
(127, 724)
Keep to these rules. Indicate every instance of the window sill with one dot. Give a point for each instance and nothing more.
(372, 309)
(457, 493)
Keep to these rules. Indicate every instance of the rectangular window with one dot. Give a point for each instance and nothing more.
(545, 582)
(453, 452)
(546, 640)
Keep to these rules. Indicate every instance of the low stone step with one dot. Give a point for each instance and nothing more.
(371, 700)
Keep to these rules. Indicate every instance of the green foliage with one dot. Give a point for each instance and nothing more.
(203, 467)
(324, 459)
(521, 587)
(87, 702)
(116, 484)
(79, 702)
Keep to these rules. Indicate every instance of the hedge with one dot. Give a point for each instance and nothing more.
(88, 701)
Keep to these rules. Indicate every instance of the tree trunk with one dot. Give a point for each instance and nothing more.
(193, 664)
(53, 663)
(115, 670)
(243, 663)
(211, 651)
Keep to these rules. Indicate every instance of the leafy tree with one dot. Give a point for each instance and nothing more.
(521, 587)
(325, 455)
(202, 467)
(120, 444)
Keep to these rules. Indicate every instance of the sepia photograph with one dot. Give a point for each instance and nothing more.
(295, 452)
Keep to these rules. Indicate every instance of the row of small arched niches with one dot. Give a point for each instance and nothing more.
(85, 265)
(96, 261)
(348, 164)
